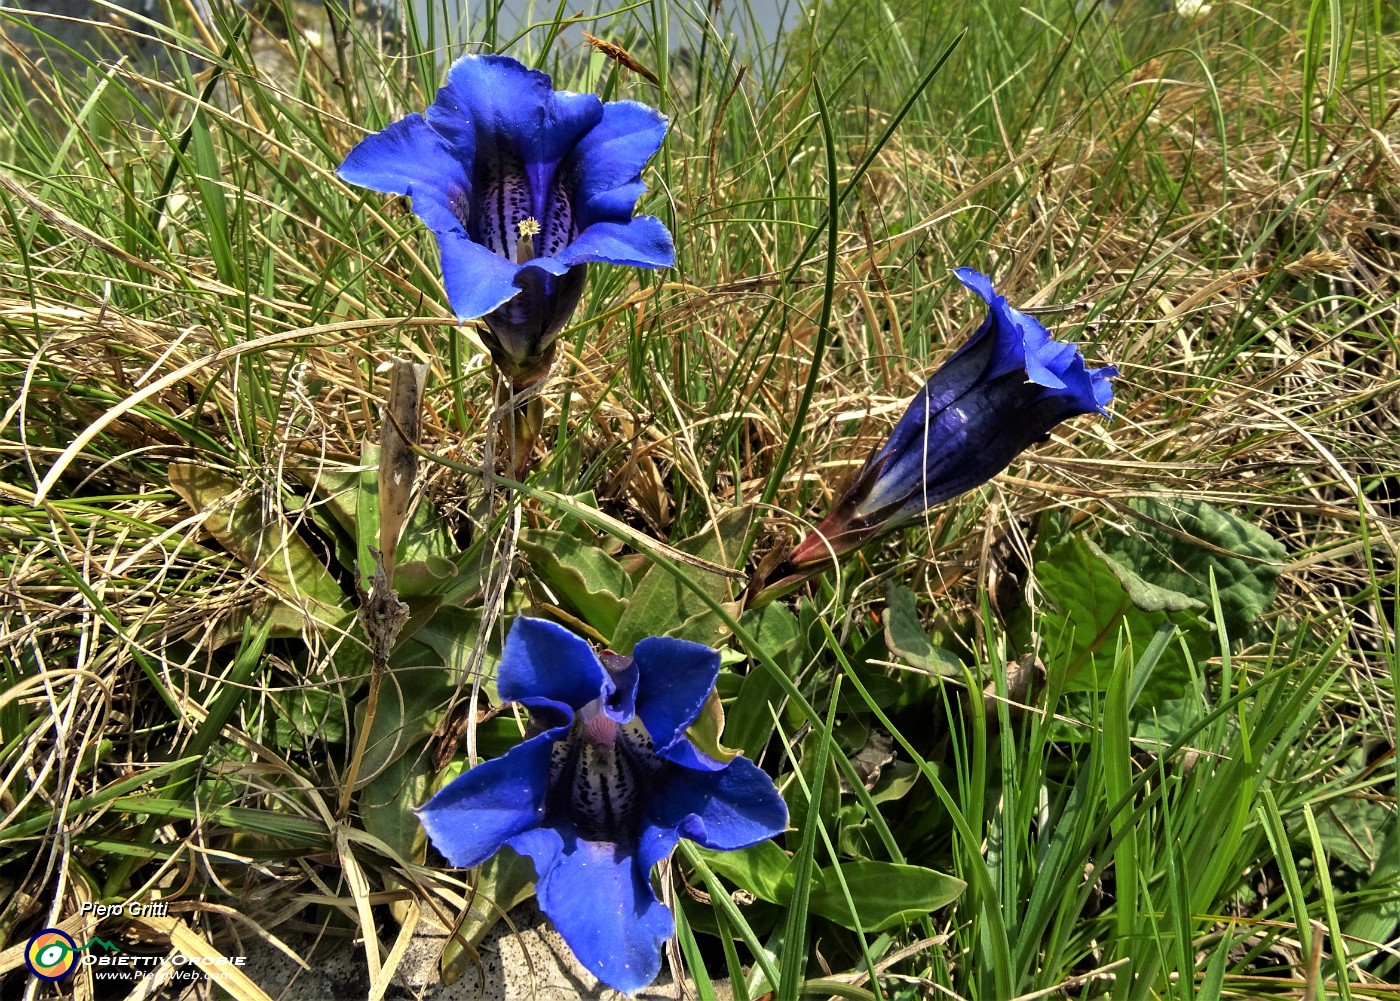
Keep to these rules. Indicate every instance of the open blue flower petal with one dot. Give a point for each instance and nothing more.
(409, 158)
(477, 281)
(608, 162)
(602, 803)
(675, 677)
(643, 242)
(601, 902)
(490, 804)
(524, 186)
(727, 809)
(543, 662)
(511, 117)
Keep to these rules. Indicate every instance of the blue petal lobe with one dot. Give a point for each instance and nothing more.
(542, 845)
(644, 242)
(1010, 334)
(656, 841)
(600, 900)
(497, 105)
(482, 809)
(409, 158)
(542, 660)
(550, 265)
(977, 282)
(1045, 359)
(674, 680)
(606, 167)
(622, 704)
(687, 755)
(477, 281)
(733, 808)
(1103, 389)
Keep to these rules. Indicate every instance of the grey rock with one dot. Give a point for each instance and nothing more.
(522, 958)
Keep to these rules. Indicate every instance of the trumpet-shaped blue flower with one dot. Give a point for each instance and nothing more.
(1002, 391)
(523, 186)
(605, 791)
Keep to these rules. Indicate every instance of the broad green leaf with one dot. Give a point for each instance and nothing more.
(896, 781)
(775, 630)
(350, 495)
(705, 626)
(410, 704)
(591, 582)
(764, 869)
(451, 635)
(1244, 558)
(1171, 707)
(260, 537)
(859, 838)
(334, 488)
(749, 718)
(661, 604)
(367, 524)
(309, 712)
(324, 517)
(1377, 914)
(906, 638)
(388, 800)
(571, 524)
(1352, 830)
(1147, 596)
(885, 894)
(1088, 613)
(425, 537)
(420, 578)
(285, 621)
(502, 882)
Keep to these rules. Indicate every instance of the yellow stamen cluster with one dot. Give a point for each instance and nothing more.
(529, 228)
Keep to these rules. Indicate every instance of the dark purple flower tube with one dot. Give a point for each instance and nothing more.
(523, 186)
(1004, 390)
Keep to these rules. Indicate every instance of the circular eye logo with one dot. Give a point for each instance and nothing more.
(51, 954)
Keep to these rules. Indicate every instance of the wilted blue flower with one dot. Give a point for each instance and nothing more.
(523, 186)
(605, 792)
(1003, 390)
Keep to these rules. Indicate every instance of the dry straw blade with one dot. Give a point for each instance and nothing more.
(398, 465)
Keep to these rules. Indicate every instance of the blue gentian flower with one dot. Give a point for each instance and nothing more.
(605, 791)
(1003, 390)
(523, 186)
